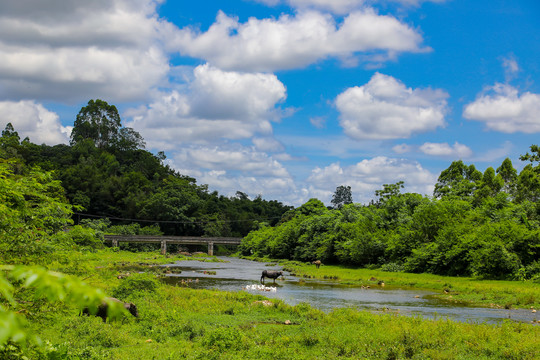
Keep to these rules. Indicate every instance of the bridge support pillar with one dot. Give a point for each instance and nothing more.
(115, 242)
(163, 247)
(211, 249)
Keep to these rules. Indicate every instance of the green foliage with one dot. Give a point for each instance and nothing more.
(484, 225)
(136, 284)
(224, 338)
(105, 172)
(100, 123)
(458, 181)
(19, 284)
(32, 209)
(81, 236)
(342, 196)
(389, 191)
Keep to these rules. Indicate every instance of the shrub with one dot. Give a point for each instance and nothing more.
(85, 237)
(224, 338)
(137, 283)
(393, 267)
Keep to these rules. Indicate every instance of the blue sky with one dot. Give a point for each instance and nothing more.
(285, 98)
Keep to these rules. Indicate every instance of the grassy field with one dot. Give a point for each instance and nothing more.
(181, 323)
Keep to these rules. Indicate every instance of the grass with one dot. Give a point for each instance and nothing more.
(183, 323)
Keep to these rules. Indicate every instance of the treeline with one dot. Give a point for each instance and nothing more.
(106, 172)
(475, 224)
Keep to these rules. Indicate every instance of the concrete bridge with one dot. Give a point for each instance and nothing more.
(163, 240)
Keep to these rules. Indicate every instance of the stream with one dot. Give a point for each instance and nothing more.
(244, 275)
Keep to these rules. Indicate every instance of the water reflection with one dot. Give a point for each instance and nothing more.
(237, 274)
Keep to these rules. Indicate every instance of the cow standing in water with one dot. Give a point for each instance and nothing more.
(270, 274)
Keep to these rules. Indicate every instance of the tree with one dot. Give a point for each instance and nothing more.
(389, 191)
(101, 123)
(459, 181)
(533, 157)
(509, 176)
(32, 209)
(488, 187)
(342, 196)
(9, 142)
(528, 181)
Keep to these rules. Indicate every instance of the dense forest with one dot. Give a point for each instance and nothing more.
(475, 224)
(107, 173)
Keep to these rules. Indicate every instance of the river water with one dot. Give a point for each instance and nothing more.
(243, 275)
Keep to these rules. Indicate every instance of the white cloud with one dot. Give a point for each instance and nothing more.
(296, 41)
(237, 158)
(402, 148)
(214, 105)
(231, 168)
(502, 108)
(339, 6)
(385, 108)
(73, 50)
(443, 149)
(34, 121)
(267, 144)
(217, 94)
(511, 67)
(369, 175)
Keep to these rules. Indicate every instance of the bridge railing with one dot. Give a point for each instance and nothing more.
(163, 240)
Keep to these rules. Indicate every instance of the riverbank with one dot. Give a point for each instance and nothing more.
(467, 291)
(178, 322)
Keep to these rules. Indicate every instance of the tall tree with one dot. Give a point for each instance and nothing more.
(10, 140)
(459, 181)
(388, 191)
(98, 121)
(509, 176)
(528, 181)
(101, 123)
(342, 196)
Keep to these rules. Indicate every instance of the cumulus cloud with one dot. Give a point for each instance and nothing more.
(230, 159)
(214, 105)
(338, 6)
(34, 121)
(368, 175)
(502, 108)
(385, 108)
(444, 149)
(73, 50)
(296, 41)
(229, 168)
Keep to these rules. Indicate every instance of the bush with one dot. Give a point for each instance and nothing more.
(137, 283)
(224, 338)
(392, 267)
(85, 237)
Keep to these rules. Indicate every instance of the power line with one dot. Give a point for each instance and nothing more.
(173, 221)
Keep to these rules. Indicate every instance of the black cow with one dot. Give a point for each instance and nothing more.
(103, 308)
(271, 275)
